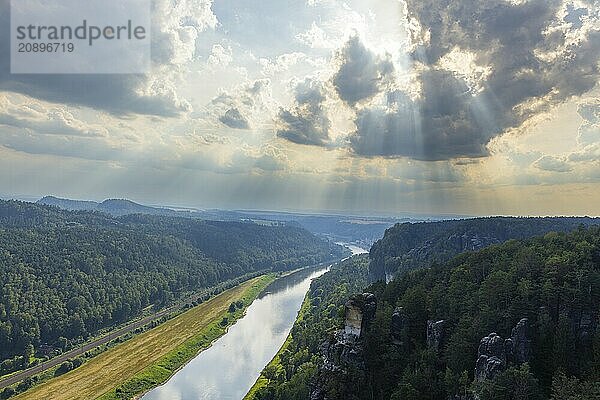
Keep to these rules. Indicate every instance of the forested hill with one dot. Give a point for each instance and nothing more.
(513, 321)
(413, 245)
(115, 207)
(65, 275)
(516, 321)
(243, 245)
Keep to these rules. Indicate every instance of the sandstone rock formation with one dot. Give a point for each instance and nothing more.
(491, 357)
(495, 354)
(435, 334)
(518, 346)
(397, 325)
(360, 311)
(344, 351)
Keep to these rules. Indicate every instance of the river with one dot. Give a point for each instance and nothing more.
(229, 368)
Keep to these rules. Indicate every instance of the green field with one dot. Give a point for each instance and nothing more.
(149, 359)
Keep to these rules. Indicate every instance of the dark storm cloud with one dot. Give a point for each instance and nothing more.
(234, 119)
(455, 124)
(361, 73)
(118, 94)
(450, 121)
(306, 122)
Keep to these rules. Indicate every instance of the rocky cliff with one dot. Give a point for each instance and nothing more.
(495, 354)
(413, 245)
(343, 359)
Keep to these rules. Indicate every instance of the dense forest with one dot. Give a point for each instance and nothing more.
(413, 245)
(514, 321)
(553, 281)
(64, 275)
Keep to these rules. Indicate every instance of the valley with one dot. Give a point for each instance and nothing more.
(286, 319)
(151, 357)
(300, 200)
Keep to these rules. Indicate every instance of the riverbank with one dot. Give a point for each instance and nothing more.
(274, 364)
(110, 337)
(290, 373)
(151, 358)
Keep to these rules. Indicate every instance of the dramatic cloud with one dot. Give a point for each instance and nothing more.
(175, 29)
(234, 119)
(81, 147)
(307, 121)
(266, 158)
(362, 74)
(533, 61)
(466, 107)
(234, 109)
(281, 63)
(446, 122)
(552, 164)
(270, 158)
(34, 116)
(220, 56)
(176, 26)
(315, 37)
(589, 153)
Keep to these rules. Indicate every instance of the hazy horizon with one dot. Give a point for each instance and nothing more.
(324, 212)
(372, 106)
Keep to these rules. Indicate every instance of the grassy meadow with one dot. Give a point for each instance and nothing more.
(151, 358)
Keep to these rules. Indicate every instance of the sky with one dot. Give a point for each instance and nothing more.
(476, 107)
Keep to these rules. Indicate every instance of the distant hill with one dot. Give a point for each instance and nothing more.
(414, 245)
(115, 207)
(360, 230)
(120, 207)
(67, 204)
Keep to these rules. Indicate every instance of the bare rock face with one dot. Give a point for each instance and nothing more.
(494, 353)
(435, 334)
(518, 347)
(360, 311)
(491, 358)
(397, 325)
(492, 346)
(353, 322)
(487, 368)
(344, 351)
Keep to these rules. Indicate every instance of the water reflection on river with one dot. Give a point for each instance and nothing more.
(228, 369)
